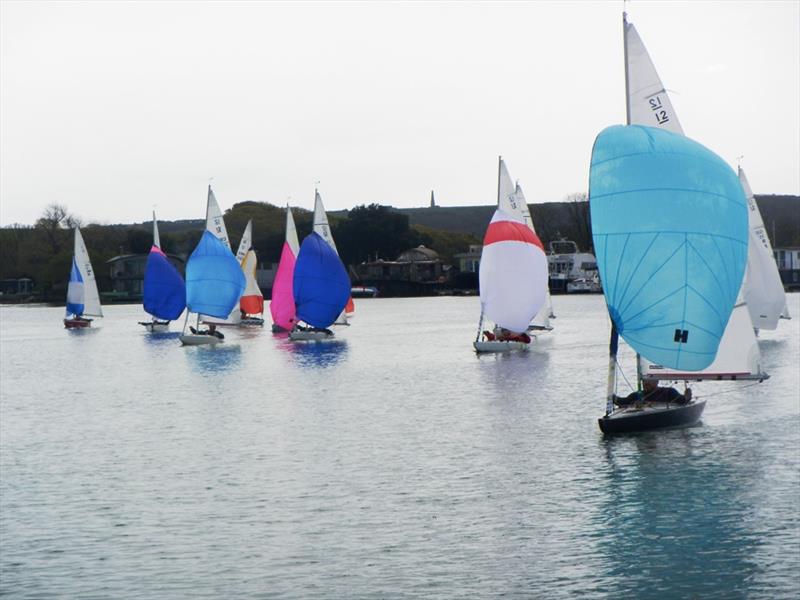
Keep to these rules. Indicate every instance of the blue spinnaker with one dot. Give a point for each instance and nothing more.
(669, 222)
(164, 289)
(321, 285)
(75, 290)
(214, 280)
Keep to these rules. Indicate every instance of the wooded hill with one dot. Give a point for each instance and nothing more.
(43, 252)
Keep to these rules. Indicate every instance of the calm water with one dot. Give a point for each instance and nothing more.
(390, 463)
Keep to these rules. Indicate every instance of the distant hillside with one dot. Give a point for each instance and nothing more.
(553, 220)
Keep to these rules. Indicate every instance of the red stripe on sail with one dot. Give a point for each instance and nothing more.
(511, 231)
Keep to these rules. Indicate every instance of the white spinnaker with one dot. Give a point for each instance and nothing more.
(246, 243)
(291, 233)
(513, 277)
(764, 293)
(648, 101)
(214, 221)
(91, 299)
(321, 225)
(156, 238)
(542, 318)
(249, 269)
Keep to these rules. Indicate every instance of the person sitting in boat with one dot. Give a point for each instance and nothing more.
(501, 334)
(652, 393)
(212, 330)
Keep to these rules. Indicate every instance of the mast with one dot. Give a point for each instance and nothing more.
(499, 162)
(612, 368)
(156, 240)
(627, 83)
(614, 337)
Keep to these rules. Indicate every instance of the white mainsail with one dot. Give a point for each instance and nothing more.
(246, 243)
(216, 225)
(766, 299)
(291, 233)
(156, 239)
(91, 298)
(647, 100)
(323, 229)
(214, 221)
(648, 103)
(542, 318)
(321, 225)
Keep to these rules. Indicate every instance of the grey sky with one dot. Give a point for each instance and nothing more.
(112, 107)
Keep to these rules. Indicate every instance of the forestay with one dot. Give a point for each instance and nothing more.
(669, 222)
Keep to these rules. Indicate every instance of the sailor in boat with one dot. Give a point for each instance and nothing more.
(326, 331)
(651, 393)
(501, 334)
(212, 330)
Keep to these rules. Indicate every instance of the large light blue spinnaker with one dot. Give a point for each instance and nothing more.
(214, 280)
(669, 223)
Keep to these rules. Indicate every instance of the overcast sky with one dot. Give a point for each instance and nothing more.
(111, 107)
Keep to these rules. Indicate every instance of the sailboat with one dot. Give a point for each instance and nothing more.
(214, 284)
(164, 288)
(251, 304)
(281, 305)
(766, 298)
(320, 286)
(648, 103)
(541, 322)
(83, 300)
(512, 274)
(669, 226)
(323, 229)
(215, 224)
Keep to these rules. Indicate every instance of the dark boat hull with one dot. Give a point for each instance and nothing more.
(632, 420)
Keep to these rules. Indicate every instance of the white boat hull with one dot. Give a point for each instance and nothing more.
(310, 336)
(497, 346)
(199, 340)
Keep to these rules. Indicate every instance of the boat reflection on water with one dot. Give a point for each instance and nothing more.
(314, 354)
(215, 358)
(686, 476)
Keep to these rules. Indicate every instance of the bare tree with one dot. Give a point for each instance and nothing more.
(54, 221)
(578, 214)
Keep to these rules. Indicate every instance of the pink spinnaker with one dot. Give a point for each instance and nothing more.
(282, 304)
